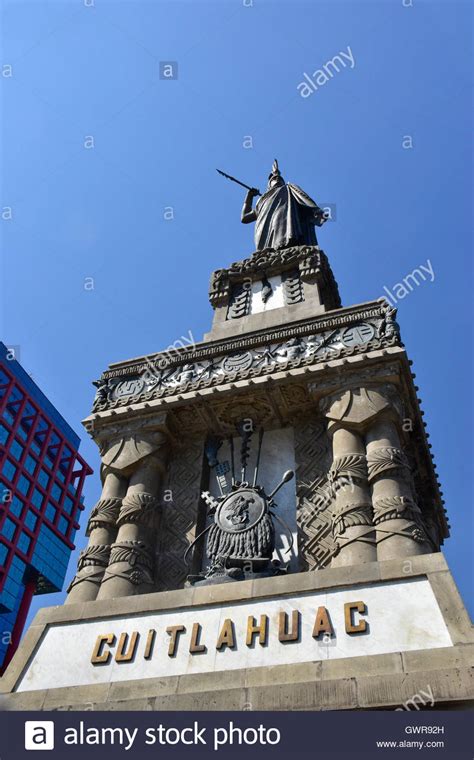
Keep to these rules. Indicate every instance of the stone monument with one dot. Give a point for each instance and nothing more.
(270, 512)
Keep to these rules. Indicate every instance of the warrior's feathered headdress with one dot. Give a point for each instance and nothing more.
(275, 172)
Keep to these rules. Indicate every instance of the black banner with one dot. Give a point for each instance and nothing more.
(376, 734)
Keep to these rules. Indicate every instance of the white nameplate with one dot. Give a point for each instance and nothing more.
(350, 622)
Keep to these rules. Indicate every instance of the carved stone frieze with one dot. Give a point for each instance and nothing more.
(297, 350)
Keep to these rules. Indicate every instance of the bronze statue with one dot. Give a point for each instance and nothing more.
(284, 216)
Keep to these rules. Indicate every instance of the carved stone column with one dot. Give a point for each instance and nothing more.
(399, 521)
(352, 511)
(118, 560)
(368, 418)
(102, 530)
(131, 564)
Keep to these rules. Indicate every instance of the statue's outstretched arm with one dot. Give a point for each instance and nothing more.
(248, 213)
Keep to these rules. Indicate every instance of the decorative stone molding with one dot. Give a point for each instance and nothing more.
(137, 508)
(393, 507)
(311, 261)
(371, 376)
(239, 302)
(350, 466)
(292, 287)
(349, 515)
(91, 565)
(384, 459)
(137, 560)
(104, 514)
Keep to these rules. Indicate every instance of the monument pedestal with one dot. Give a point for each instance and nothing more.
(391, 634)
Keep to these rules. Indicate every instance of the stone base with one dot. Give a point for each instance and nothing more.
(418, 675)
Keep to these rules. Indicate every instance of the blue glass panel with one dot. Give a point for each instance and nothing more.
(35, 448)
(50, 512)
(53, 447)
(51, 557)
(68, 505)
(31, 520)
(30, 464)
(22, 433)
(24, 543)
(63, 525)
(23, 485)
(3, 434)
(15, 395)
(3, 554)
(28, 416)
(9, 470)
(56, 492)
(16, 450)
(16, 506)
(43, 478)
(8, 416)
(37, 499)
(8, 529)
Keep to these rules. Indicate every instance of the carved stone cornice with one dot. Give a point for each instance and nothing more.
(349, 316)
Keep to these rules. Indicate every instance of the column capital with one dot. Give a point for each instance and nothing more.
(125, 444)
(358, 407)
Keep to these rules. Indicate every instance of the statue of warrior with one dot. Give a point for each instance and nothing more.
(284, 216)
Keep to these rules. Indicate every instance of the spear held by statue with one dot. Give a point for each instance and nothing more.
(242, 184)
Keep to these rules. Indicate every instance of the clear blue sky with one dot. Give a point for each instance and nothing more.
(78, 212)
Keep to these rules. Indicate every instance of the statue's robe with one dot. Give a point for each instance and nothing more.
(286, 216)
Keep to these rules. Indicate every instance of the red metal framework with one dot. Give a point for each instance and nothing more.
(47, 453)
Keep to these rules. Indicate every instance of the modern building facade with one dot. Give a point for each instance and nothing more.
(41, 482)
